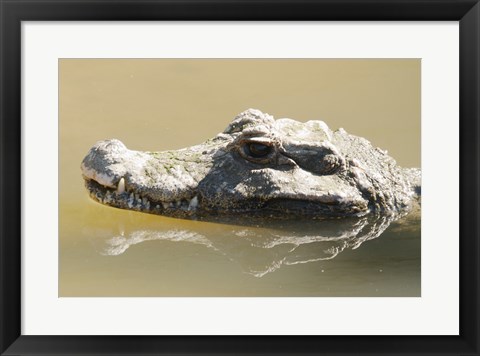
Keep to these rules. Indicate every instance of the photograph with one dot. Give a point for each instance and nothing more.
(234, 177)
(239, 177)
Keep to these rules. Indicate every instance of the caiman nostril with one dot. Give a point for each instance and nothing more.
(112, 146)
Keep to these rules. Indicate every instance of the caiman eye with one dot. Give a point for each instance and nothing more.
(257, 150)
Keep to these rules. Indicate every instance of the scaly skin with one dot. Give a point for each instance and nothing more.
(257, 167)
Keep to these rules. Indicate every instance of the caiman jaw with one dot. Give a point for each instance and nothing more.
(280, 207)
(121, 198)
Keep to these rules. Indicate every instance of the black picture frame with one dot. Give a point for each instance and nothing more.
(13, 12)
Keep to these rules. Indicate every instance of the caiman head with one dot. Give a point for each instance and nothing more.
(257, 167)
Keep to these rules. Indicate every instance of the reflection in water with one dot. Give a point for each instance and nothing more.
(259, 250)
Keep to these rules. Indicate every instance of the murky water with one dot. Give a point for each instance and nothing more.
(168, 104)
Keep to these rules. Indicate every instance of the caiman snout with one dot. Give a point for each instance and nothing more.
(109, 161)
(144, 181)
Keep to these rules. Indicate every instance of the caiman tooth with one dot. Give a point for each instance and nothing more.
(121, 186)
(193, 203)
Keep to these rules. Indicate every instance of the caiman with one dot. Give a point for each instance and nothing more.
(258, 166)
